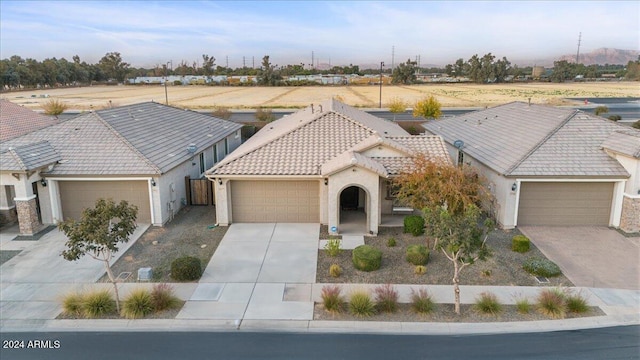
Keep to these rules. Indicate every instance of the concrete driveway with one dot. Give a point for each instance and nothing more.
(590, 256)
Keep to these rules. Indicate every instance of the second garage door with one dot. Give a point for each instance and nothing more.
(275, 201)
(565, 203)
(78, 195)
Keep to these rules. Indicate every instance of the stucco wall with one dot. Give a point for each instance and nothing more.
(366, 180)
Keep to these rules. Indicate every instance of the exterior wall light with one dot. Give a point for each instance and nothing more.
(326, 181)
(153, 182)
(43, 182)
(219, 181)
(514, 187)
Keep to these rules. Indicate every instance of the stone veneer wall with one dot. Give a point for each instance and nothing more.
(28, 217)
(630, 221)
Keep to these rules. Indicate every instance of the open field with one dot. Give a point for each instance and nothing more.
(209, 97)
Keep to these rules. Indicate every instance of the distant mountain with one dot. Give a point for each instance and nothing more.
(604, 56)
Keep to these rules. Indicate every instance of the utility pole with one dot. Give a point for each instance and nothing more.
(166, 78)
(578, 54)
(227, 62)
(381, 65)
(393, 57)
(253, 62)
(313, 63)
(244, 63)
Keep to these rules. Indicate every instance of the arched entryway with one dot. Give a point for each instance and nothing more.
(353, 210)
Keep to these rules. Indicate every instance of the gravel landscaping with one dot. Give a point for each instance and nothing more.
(504, 267)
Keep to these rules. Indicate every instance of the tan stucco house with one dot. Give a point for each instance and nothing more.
(140, 153)
(550, 166)
(315, 165)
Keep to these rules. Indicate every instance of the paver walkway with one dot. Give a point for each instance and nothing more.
(259, 271)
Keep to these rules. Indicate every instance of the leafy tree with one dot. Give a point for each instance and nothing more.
(601, 110)
(458, 67)
(113, 67)
(562, 71)
(404, 73)
(487, 70)
(473, 69)
(633, 70)
(427, 108)
(501, 69)
(397, 106)
(459, 238)
(267, 75)
(99, 232)
(208, 62)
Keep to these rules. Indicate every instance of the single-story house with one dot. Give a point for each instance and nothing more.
(16, 120)
(140, 153)
(550, 166)
(315, 165)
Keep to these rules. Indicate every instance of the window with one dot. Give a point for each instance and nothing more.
(215, 153)
(226, 146)
(238, 134)
(460, 158)
(202, 163)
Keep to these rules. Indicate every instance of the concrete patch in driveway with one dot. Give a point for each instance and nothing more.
(590, 256)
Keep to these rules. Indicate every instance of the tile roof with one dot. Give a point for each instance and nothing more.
(624, 142)
(315, 142)
(139, 139)
(518, 139)
(16, 120)
(29, 157)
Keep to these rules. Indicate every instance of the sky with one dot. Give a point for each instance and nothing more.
(337, 32)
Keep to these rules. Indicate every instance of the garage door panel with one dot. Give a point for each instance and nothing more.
(75, 196)
(565, 203)
(275, 201)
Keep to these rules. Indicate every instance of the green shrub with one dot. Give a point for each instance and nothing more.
(615, 117)
(391, 242)
(421, 301)
(386, 298)
(414, 224)
(361, 305)
(186, 268)
(636, 125)
(550, 302)
(601, 110)
(72, 304)
(162, 297)
(333, 246)
(98, 303)
(138, 304)
(541, 267)
(520, 243)
(335, 270)
(523, 306)
(487, 303)
(417, 254)
(576, 303)
(366, 258)
(420, 270)
(332, 298)
(177, 82)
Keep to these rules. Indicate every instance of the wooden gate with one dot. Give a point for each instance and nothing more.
(200, 192)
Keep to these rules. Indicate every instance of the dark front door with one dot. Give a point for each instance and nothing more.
(349, 198)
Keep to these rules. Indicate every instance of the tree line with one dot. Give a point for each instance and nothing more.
(17, 72)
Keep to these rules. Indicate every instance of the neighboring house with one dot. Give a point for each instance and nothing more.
(315, 165)
(16, 120)
(140, 153)
(550, 166)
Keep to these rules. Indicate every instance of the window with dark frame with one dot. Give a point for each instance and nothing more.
(202, 167)
(460, 158)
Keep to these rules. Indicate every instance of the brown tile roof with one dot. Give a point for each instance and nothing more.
(16, 120)
(314, 142)
(518, 139)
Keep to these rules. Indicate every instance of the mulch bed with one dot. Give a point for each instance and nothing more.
(504, 267)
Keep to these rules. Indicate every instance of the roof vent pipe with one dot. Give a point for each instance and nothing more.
(529, 101)
(320, 106)
(312, 108)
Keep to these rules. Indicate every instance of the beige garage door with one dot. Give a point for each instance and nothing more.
(565, 203)
(78, 195)
(275, 201)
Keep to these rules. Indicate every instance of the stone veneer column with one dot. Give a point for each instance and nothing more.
(28, 216)
(630, 220)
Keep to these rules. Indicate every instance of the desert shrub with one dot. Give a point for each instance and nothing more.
(138, 304)
(576, 303)
(98, 303)
(54, 107)
(420, 270)
(486, 272)
(417, 254)
(177, 82)
(162, 297)
(335, 270)
(414, 224)
(264, 115)
(397, 105)
(222, 113)
(487, 303)
(523, 306)
(72, 303)
(332, 298)
(361, 305)
(601, 110)
(541, 267)
(391, 242)
(615, 117)
(386, 298)
(636, 125)
(366, 258)
(421, 301)
(550, 302)
(520, 243)
(333, 246)
(186, 268)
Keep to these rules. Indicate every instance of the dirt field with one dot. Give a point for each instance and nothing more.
(210, 97)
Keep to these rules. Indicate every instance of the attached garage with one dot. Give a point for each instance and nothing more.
(275, 201)
(78, 195)
(565, 204)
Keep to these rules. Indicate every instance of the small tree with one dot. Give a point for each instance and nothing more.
(397, 106)
(459, 238)
(99, 232)
(427, 108)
